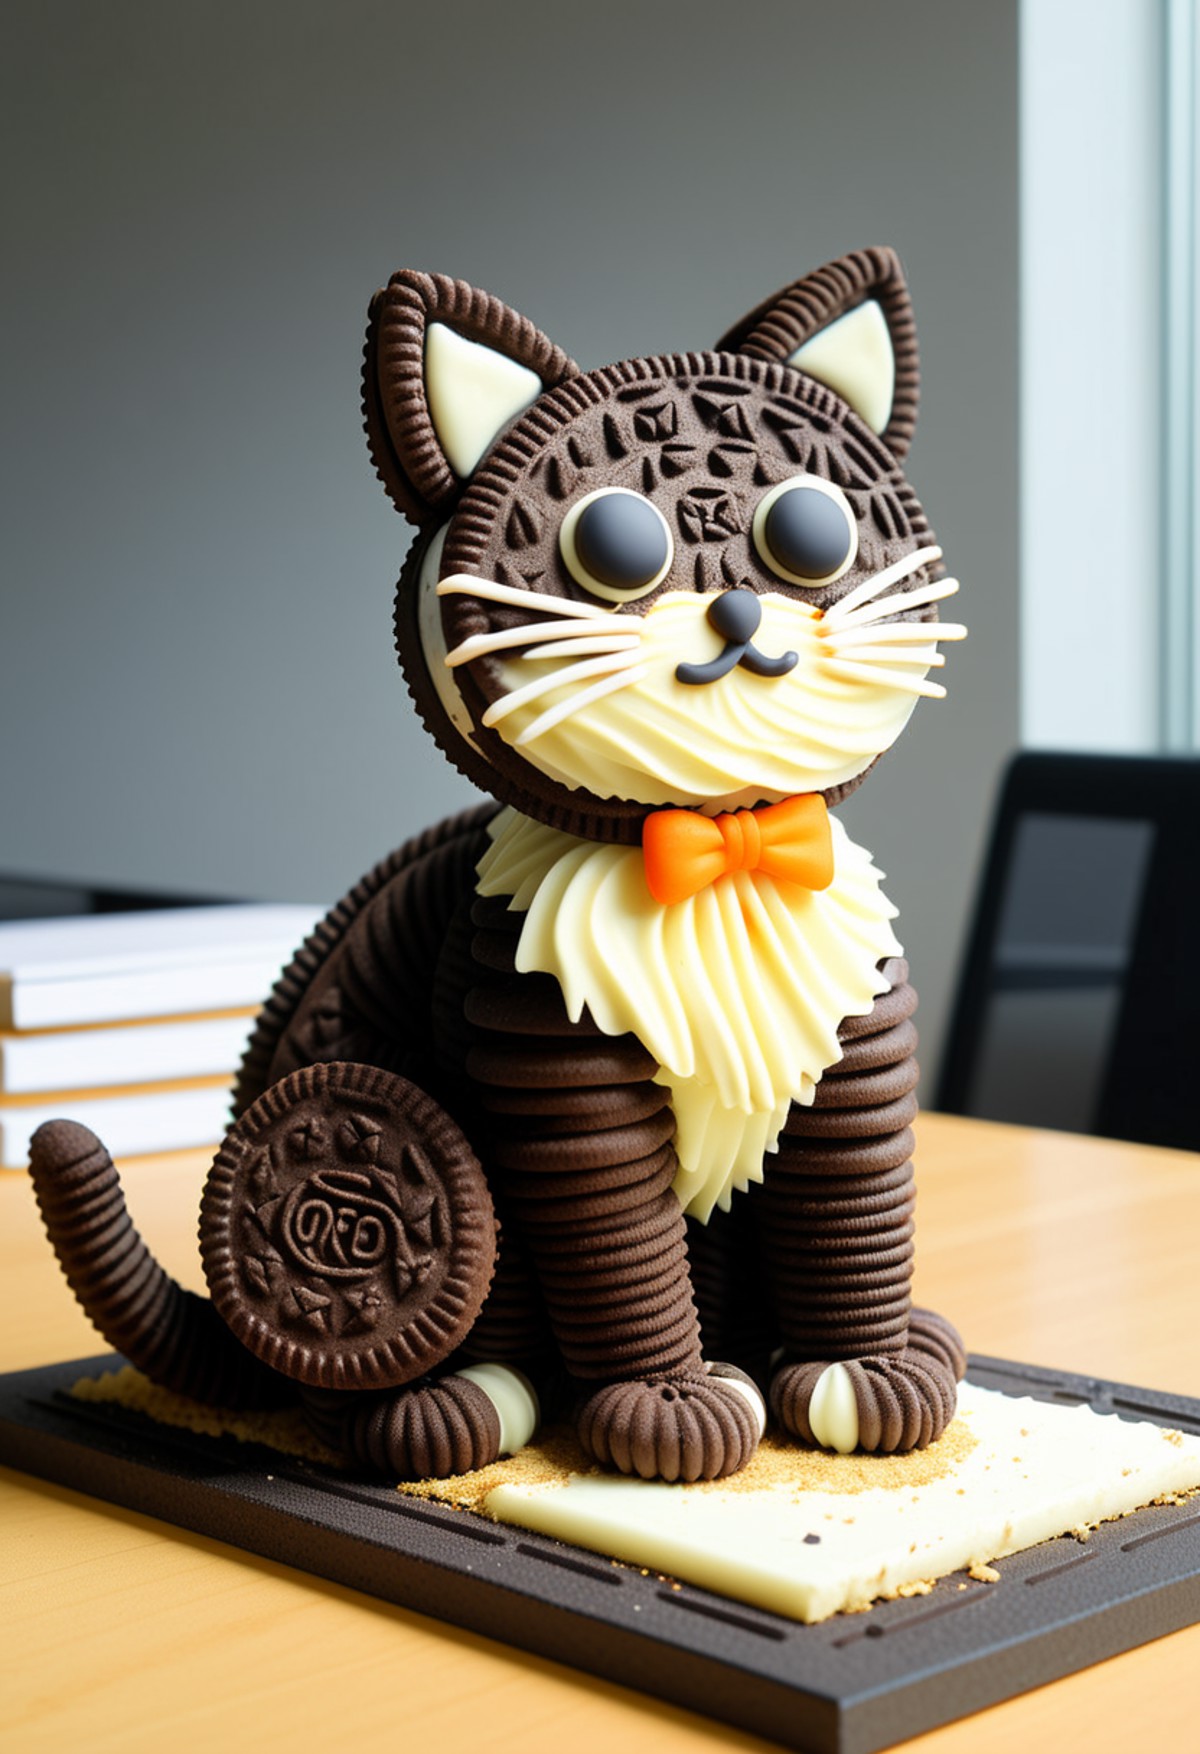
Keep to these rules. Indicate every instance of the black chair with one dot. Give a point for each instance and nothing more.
(1078, 1006)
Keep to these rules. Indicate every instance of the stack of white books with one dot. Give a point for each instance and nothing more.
(134, 1023)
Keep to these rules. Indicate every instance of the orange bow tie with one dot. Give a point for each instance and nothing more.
(685, 852)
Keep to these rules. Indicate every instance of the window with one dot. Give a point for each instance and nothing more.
(1110, 454)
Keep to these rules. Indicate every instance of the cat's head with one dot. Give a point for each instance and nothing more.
(698, 580)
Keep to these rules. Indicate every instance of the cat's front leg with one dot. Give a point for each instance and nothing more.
(577, 1136)
(861, 1369)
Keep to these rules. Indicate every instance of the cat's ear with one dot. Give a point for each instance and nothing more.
(445, 369)
(850, 326)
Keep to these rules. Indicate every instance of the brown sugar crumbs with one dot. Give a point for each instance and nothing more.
(556, 1455)
(550, 1461)
(284, 1429)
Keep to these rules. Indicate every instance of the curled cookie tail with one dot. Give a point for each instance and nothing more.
(174, 1337)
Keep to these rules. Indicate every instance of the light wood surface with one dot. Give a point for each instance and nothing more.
(119, 1633)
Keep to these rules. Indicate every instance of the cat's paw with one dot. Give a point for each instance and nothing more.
(883, 1405)
(430, 1430)
(701, 1425)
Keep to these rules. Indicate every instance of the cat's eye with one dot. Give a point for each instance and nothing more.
(805, 530)
(616, 544)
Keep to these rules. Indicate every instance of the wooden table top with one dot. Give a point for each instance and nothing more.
(122, 1634)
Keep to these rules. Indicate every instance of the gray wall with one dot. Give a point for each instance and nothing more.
(199, 684)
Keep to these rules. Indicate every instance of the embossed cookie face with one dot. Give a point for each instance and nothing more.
(347, 1234)
(641, 606)
(699, 580)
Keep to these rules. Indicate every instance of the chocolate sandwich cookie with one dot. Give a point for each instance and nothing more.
(890, 1008)
(588, 1109)
(509, 1066)
(512, 1325)
(347, 1232)
(836, 1231)
(401, 431)
(670, 1428)
(360, 986)
(579, 1144)
(575, 1154)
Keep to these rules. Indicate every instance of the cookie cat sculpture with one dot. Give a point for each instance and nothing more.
(615, 1075)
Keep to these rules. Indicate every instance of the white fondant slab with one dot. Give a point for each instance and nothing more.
(1036, 1471)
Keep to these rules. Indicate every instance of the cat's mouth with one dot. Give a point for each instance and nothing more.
(736, 615)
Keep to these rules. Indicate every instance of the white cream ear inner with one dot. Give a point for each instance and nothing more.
(853, 355)
(737, 992)
(513, 1397)
(473, 393)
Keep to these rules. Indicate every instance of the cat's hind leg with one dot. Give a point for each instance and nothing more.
(861, 1369)
(432, 1429)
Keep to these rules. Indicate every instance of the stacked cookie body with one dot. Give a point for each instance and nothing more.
(603, 1091)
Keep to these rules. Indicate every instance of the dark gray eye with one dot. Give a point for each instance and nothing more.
(616, 544)
(806, 531)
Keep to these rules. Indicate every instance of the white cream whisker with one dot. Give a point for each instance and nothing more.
(895, 633)
(556, 714)
(881, 678)
(884, 580)
(929, 657)
(602, 642)
(882, 607)
(461, 584)
(504, 638)
(572, 673)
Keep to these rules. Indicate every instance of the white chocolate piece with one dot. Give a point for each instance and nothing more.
(853, 355)
(1037, 1470)
(473, 393)
(750, 1395)
(514, 1398)
(833, 1411)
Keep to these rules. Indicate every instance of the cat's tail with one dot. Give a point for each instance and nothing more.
(173, 1336)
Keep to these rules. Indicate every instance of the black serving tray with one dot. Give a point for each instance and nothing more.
(851, 1685)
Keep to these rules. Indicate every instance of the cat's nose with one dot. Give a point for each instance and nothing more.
(735, 614)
